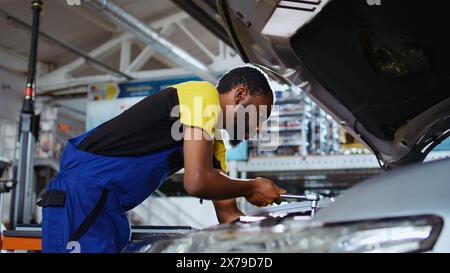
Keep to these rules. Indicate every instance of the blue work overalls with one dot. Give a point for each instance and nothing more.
(85, 208)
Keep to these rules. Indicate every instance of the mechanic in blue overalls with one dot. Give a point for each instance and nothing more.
(116, 166)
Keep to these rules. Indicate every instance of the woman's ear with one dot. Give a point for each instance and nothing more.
(240, 93)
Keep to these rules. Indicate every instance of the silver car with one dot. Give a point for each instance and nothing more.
(397, 211)
(381, 69)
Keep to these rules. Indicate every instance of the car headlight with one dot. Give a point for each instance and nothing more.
(404, 234)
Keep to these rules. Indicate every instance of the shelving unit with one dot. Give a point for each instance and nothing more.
(297, 127)
(308, 163)
(307, 150)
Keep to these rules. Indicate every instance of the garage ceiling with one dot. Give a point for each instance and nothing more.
(86, 30)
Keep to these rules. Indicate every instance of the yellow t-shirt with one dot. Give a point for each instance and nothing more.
(200, 107)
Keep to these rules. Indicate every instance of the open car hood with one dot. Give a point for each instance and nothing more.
(380, 68)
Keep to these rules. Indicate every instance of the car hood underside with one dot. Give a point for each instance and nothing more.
(381, 70)
(386, 65)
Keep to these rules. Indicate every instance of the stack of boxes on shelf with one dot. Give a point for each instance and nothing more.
(323, 135)
(349, 145)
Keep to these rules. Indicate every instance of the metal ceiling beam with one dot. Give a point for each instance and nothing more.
(146, 35)
(16, 62)
(91, 16)
(62, 77)
(66, 46)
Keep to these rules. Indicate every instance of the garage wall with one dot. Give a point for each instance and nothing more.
(11, 86)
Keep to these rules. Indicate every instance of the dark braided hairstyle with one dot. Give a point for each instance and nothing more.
(252, 78)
